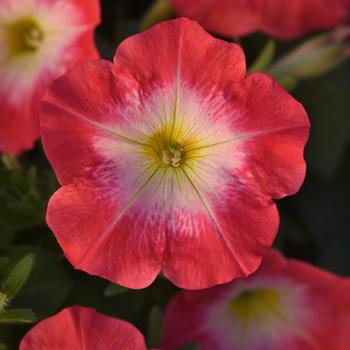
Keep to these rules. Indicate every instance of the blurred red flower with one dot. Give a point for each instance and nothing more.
(286, 305)
(285, 19)
(79, 327)
(40, 40)
(168, 159)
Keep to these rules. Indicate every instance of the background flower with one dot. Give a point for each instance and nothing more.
(285, 305)
(40, 40)
(169, 158)
(79, 327)
(279, 18)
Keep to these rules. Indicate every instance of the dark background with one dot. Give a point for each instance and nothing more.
(315, 223)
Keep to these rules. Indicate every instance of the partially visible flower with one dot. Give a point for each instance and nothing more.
(82, 328)
(169, 159)
(314, 57)
(286, 305)
(40, 40)
(284, 19)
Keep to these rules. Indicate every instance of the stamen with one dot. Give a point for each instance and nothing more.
(175, 161)
(166, 151)
(166, 158)
(34, 38)
(173, 155)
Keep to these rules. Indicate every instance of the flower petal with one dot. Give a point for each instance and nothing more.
(221, 236)
(273, 129)
(179, 52)
(226, 17)
(106, 237)
(302, 16)
(240, 17)
(83, 112)
(316, 302)
(20, 128)
(82, 328)
(162, 147)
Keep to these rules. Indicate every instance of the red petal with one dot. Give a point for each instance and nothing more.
(179, 50)
(226, 243)
(240, 17)
(19, 126)
(104, 237)
(82, 328)
(274, 129)
(83, 110)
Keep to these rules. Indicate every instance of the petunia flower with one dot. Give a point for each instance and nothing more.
(286, 305)
(168, 159)
(78, 327)
(284, 19)
(40, 40)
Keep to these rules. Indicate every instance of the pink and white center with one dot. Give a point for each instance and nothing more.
(261, 314)
(33, 36)
(172, 153)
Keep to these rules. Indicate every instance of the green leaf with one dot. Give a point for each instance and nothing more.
(19, 182)
(114, 289)
(18, 276)
(48, 284)
(3, 301)
(32, 177)
(155, 326)
(265, 57)
(17, 316)
(160, 11)
(288, 83)
(3, 346)
(3, 261)
(10, 162)
(23, 197)
(19, 208)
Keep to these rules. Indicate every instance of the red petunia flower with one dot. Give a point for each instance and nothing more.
(285, 19)
(83, 328)
(40, 40)
(168, 159)
(285, 305)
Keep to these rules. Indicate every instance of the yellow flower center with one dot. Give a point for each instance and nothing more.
(253, 304)
(164, 150)
(24, 36)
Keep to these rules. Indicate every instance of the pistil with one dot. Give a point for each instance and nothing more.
(173, 155)
(33, 39)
